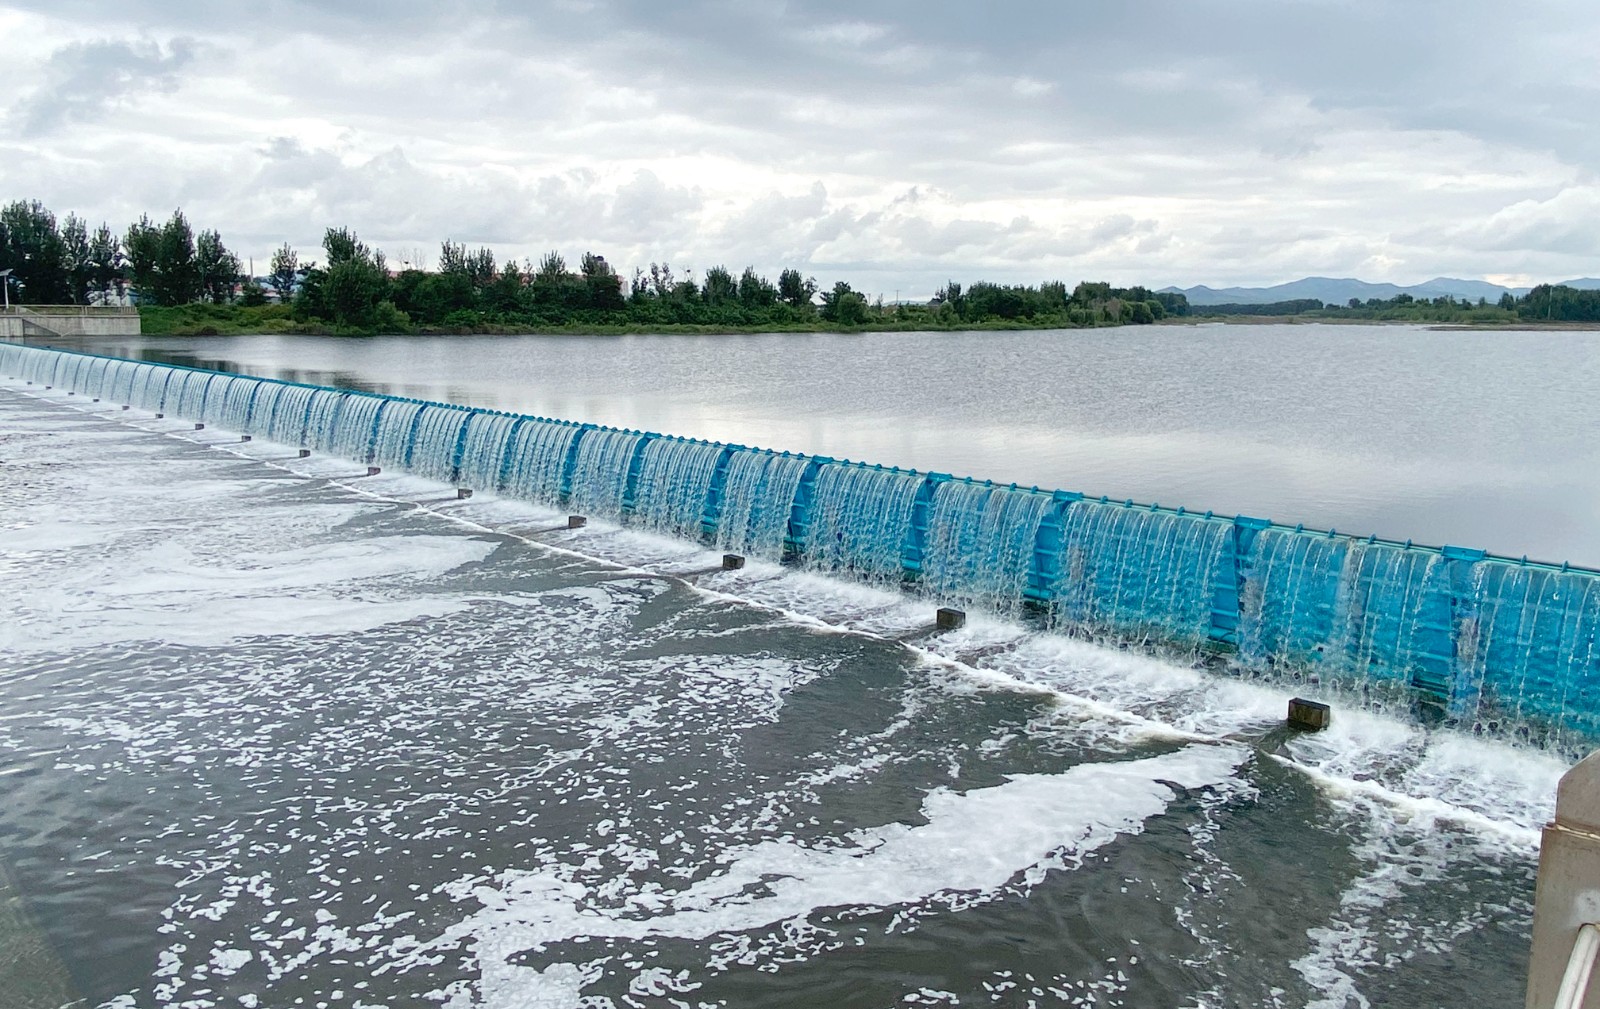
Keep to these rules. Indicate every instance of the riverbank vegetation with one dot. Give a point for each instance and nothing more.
(1546, 304)
(191, 284)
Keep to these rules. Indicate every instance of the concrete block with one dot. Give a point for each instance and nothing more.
(1312, 715)
(462, 493)
(199, 427)
(305, 453)
(948, 618)
(374, 470)
(576, 521)
(125, 406)
(244, 437)
(160, 415)
(732, 562)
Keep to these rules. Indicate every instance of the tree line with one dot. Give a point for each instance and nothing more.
(352, 288)
(167, 265)
(1545, 303)
(471, 290)
(66, 263)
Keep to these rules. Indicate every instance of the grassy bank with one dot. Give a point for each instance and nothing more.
(218, 320)
(238, 320)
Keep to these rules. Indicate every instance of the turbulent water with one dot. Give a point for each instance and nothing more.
(273, 735)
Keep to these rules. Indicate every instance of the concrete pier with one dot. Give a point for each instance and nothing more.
(1313, 716)
(1568, 895)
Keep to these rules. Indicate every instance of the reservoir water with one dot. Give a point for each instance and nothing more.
(1478, 439)
(272, 735)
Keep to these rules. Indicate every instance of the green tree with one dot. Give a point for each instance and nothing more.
(285, 272)
(719, 287)
(756, 293)
(554, 291)
(505, 294)
(106, 261)
(481, 267)
(177, 280)
(952, 295)
(353, 290)
(795, 291)
(218, 269)
(661, 279)
(843, 305)
(602, 286)
(143, 245)
(453, 258)
(32, 248)
(76, 259)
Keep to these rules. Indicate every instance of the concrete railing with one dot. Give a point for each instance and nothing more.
(78, 310)
(1567, 903)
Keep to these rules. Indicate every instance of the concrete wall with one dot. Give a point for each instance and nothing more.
(20, 323)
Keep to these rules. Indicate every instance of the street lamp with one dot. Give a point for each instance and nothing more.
(5, 281)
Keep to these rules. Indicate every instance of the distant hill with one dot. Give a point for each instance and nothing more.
(1340, 290)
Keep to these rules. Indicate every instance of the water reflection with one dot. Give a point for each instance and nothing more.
(1476, 439)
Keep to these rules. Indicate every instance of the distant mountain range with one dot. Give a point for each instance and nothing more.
(1339, 291)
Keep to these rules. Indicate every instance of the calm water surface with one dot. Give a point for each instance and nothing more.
(1477, 439)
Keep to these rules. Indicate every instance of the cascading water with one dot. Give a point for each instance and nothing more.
(599, 473)
(860, 519)
(354, 437)
(1486, 640)
(433, 445)
(980, 541)
(757, 497)
(535, 460)
(1293, 594)
(388, 434)
(673, 485)
(483, 448)
(1134, 569)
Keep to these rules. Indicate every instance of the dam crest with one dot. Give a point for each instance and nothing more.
(1497, 644)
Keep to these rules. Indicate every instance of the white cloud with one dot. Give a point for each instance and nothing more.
(1157, 141)
(83, 82)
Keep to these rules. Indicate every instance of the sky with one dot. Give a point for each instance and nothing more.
(892, 144)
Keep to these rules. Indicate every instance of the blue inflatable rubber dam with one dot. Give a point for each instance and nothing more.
(1482, 640)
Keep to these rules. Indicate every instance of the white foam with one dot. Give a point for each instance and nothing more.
(971, 846)
(170, 593)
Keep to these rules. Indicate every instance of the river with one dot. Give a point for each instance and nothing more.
(272, 734)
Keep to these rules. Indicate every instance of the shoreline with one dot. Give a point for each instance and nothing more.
(699, 330)
(154, 324)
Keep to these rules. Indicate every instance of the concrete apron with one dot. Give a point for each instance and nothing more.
(31, 975)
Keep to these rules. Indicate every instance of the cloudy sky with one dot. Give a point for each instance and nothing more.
(893, 144)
